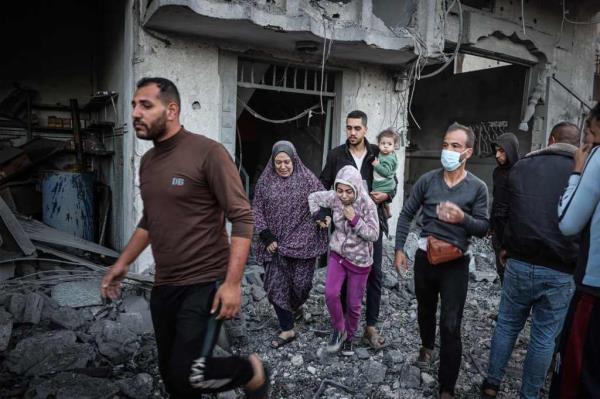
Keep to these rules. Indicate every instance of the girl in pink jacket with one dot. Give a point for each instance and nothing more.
(356, 228)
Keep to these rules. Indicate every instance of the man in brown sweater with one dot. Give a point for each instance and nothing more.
(189, 185)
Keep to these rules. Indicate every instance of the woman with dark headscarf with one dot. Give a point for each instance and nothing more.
(290, 241)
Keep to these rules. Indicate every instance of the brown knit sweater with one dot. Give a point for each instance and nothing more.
(189, 185)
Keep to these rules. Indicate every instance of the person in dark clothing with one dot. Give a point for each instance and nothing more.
(577, 373)
(507, 154)
(454, 207)
(358, 152)
(189, 185)
(539, 273)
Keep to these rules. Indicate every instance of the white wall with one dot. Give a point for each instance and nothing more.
(193, 66)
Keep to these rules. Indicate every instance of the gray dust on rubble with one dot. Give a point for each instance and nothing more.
(299, 369)
(63, 341)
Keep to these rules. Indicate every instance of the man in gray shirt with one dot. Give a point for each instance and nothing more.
(454, 208)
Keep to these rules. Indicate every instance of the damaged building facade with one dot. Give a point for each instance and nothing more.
(254, 72)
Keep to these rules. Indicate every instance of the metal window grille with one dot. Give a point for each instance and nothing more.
(285, 78)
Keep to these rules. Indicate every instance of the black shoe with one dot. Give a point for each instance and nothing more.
(347, 348)
(335, 342)
(488, 386)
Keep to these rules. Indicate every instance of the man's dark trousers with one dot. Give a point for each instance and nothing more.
(374, 283)
(450, 281)
(181, 318)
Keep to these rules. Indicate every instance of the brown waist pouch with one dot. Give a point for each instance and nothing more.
(440, 251)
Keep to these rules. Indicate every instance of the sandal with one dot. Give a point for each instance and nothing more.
(488, 386)
(425, 358)
(279, 341)
(261, 392)
(374, 340)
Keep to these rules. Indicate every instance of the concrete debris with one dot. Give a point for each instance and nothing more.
(114, 340)
(253, 274)
(6, 326)
(133, 321)
(427, 379)
(48, 353)
(410, 376)
(138, 387)
(66, 317)
(393, 357)
(297, 361)
(71, 386)
(139, 304)
(17, 306)
(258, 293)
(375, 372)
(78, 293)
(32, 313)
(114, 346)
(362, 353)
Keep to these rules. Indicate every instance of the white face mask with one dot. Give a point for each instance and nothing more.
(451, 160)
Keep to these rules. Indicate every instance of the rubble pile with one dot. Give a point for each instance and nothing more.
(59, 339)
(302, 369)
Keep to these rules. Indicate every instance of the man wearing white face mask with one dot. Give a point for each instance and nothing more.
(455, 207)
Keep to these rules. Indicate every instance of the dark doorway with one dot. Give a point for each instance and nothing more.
(256, 136)
(484, 94)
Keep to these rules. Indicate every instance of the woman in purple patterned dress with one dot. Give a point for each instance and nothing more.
(290, 241)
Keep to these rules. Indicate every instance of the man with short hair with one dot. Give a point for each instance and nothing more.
(538, 278)
(577, 372)
(454, 207)
(358, 152)
(189, 185)
(506, 149)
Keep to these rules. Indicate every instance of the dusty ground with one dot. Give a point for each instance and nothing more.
(299, 368)
(107, 349)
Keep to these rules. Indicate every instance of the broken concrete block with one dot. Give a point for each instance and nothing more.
(17, 306)
(6, 324)
(71, 386)
(132, 321)
(139, 304)
(48, 353)
(375, 372)
(66, 317)
(7, 270)
(392, 357)
(410, 376)
(258, 292)
(34, 304)
(78, 294)
(138, 387)
(114, 340)
(253, 274)
(4, 298)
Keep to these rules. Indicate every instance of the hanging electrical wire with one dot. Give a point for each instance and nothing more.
(523, 16)
(456, 49)
(308, 111)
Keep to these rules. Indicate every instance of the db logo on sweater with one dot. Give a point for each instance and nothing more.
(177, 181)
